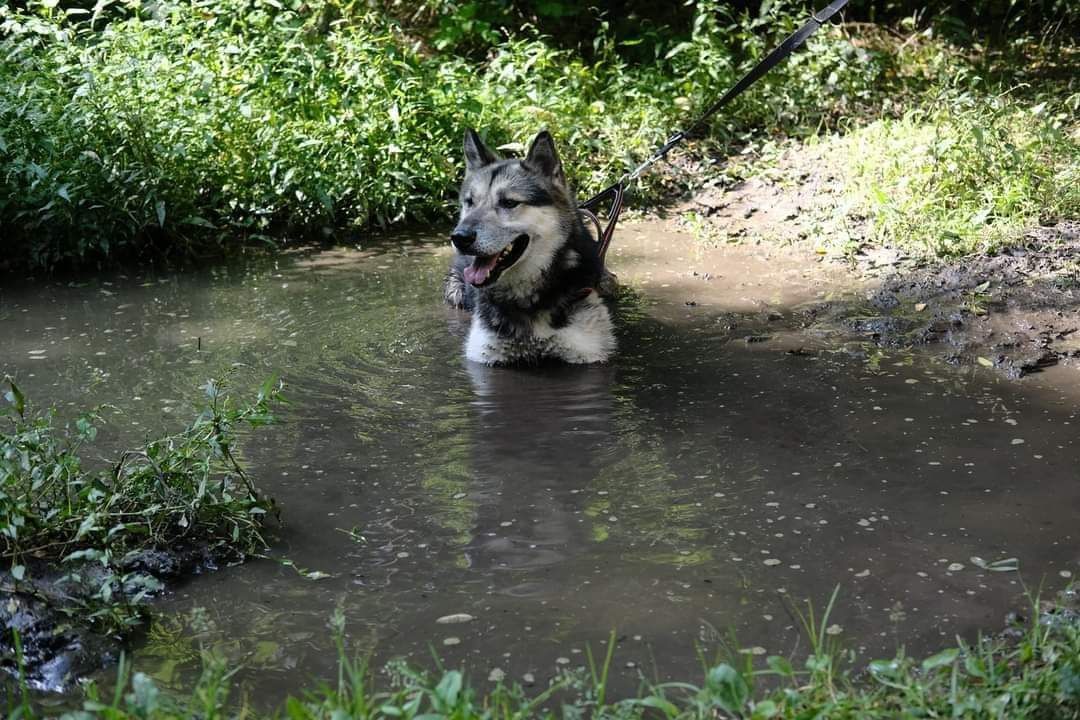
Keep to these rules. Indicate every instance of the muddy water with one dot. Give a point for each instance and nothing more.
(732, 461)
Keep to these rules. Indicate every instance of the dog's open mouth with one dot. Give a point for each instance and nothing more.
(487, 269)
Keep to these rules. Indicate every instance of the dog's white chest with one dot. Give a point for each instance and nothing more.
(587, 337)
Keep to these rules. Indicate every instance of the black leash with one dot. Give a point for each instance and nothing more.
(616, 192)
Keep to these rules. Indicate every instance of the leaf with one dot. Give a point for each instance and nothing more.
(160, 207)
(727, 688)
(945, 657)
(681, 47)
(198, 222)
(780, 665)
(18, 572)
(885, 672)
(919, 307)
(449, 687)
(985, 362)
(765, 709)
(15, 397)
(653, 701)
(146, 694)
(980, 218)
(88, 524)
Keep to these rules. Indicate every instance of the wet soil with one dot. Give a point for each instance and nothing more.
(57, 647)
(1017, 311)
(745, 451)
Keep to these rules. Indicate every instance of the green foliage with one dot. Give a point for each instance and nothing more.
(182, 492)
(966, 173)
(183, 129)
(1036, 676)
(192, 126)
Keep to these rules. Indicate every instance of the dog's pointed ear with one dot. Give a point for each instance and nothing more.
(543, 159)
(477, 154)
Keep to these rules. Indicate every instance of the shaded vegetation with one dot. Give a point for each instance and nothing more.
(1035, 675)
(181, 129)
(200, 124)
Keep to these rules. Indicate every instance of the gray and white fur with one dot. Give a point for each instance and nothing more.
(526, 266)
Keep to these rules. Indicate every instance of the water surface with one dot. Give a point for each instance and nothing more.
(730, 462)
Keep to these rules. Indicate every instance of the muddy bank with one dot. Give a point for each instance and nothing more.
(89, 542)
(1017, 311)
(53, 611)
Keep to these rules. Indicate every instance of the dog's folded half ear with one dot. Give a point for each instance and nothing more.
(477, 154)
(543, 159)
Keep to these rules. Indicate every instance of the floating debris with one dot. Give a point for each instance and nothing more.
(455, 618)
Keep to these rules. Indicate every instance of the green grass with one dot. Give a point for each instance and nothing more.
(965, 173)
(73, 536)
(1036, 676)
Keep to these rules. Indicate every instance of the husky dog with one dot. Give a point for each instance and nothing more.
(526, 266)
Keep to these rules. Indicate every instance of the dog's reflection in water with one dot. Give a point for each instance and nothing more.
(535, 445)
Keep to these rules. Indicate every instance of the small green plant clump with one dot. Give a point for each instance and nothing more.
(1035, 677)
(89, 543)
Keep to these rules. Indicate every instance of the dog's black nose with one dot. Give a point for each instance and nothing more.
(463, 240)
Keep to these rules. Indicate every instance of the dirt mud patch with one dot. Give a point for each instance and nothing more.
(57, 646)
(1017, 310)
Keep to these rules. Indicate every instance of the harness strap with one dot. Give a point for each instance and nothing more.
(583, 293)
(616, 191)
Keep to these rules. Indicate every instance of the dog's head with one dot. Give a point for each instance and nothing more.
(514, 213)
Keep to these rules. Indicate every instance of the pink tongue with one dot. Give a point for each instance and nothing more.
(477, 273)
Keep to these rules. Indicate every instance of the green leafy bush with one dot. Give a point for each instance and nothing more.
(89, 531)
(179, 129)
(187, 127)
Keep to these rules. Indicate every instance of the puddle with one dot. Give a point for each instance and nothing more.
(728, 458)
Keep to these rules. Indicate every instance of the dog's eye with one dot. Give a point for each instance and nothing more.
(508, 203)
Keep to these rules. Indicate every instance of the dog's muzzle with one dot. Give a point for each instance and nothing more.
(486, 269)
